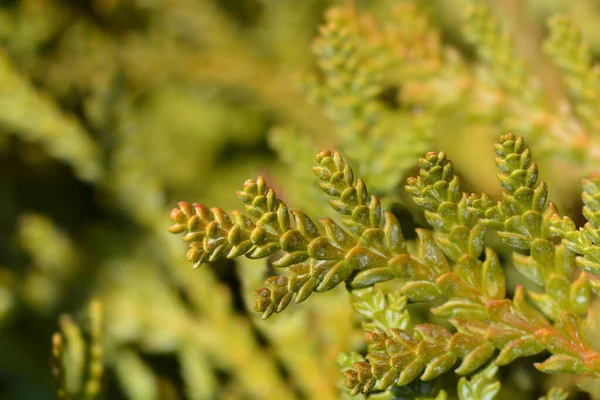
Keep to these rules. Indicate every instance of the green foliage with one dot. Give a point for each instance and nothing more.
(482, 385)
(572, 55)
(76, 365)
(52, 266)
(112, 110)
(354, 55)
(556, 394)
(380, 310)
(584, 240)
(317, 262)
(445, 264)
(61, 135)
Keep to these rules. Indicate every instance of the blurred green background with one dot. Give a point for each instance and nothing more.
(111, 111)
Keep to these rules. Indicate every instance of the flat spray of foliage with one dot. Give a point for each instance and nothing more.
(449, 264)
(111, 111)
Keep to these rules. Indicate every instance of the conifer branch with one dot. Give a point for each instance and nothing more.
(525, 219)
(444, 264)
(497, 50)
(353, 54)
(349, 196)
(522, 98)
(585, 241)
(316, 262)
(400, 357)
(350, 73)
(513, 327)
(573, 56)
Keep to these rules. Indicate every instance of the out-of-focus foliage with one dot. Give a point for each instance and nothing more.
(112, 110)
(77, 367)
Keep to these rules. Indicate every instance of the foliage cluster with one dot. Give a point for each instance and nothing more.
(113, 110)
(445, 264)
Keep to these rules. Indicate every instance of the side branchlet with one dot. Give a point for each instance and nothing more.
(76, 364)
(318, 258)
(475, 290)
(585, 241)
(573, 57)
(483, 385)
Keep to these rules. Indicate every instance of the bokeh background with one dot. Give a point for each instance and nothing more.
(111, 111)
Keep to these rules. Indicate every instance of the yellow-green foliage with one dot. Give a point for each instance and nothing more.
(111, 111)
(77, 366)
(445, 266)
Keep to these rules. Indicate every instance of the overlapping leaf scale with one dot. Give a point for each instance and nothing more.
(454, 215)
(317, 258)
(586, 240)
(399, 357)
(526, 221)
